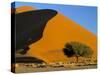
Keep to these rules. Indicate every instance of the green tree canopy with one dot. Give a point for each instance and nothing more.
(78, 49)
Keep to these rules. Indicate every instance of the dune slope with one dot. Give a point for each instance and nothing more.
(58, 31)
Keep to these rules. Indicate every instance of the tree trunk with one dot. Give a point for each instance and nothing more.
(77, 59)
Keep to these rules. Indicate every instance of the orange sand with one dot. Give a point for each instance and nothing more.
(57, 33)
(24, 9)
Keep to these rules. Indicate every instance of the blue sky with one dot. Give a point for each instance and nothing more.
(86, 16)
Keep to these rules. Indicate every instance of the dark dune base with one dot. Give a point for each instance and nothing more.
(28, 60)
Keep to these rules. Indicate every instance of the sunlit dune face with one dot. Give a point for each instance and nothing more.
(58, 31)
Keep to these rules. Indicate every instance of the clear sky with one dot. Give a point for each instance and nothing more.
(86, 16)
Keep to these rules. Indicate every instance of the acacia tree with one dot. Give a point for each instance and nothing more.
(78, 50)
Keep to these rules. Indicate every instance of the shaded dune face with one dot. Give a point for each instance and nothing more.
(58, 31)
(30, 25)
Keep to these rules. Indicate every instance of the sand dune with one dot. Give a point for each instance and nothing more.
(57, 33)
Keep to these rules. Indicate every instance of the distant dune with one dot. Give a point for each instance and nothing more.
(22, 9)
(58, 31)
